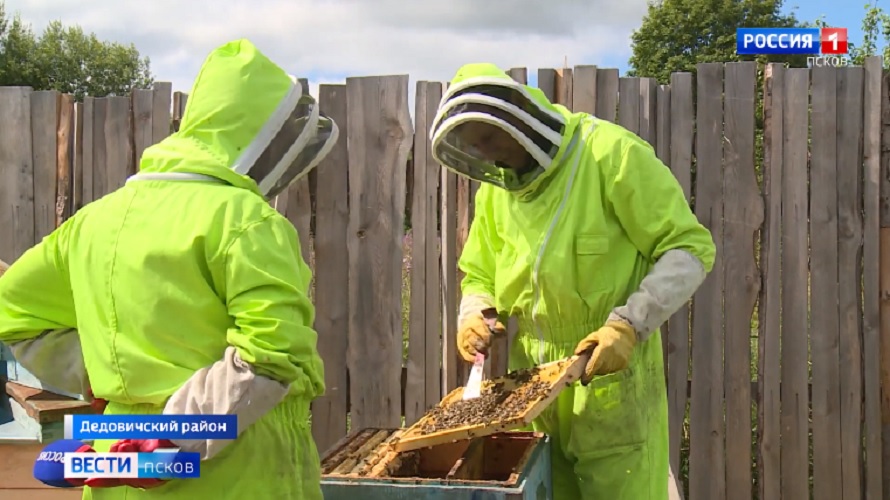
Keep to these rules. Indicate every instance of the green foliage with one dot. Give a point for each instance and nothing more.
(68, 60)
(875, 25)
(678, 34)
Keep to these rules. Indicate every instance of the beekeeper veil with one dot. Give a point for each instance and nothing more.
(529, 119)
(291, 143)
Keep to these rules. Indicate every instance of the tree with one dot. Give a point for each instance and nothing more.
(678, 34)
(68, 60)
(875, 23)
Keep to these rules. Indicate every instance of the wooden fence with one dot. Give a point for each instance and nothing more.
(774, 369)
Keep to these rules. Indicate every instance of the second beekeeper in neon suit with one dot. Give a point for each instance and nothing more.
(585, 237)
(186, 290)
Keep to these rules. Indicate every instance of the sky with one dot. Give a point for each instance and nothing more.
(329, 40)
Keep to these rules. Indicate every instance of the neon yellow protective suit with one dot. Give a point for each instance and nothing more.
(186, 290)
(595, 229)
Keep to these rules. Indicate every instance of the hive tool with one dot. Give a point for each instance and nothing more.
(474, 382)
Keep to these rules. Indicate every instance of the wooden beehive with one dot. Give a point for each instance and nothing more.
(512, 465)
(551, 377)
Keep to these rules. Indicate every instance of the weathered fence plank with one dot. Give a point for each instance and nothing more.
(677, 343)
(119, 160)
(44, 131)
(450, 286)
(423, 387)
(564, 87)
(332, 275)
(101, 184)
(824, 286)
(380, 133)
(849, 228)
(180, 99)
(161, 104)
(465, 213)
(707, 477)
(871, 323)
(433, 278)
(77, 166)
(884, 269)
(584, 89)
(795, 297)
(743, 216)
(629, 104)
(682, 126)
(143, 122)
(17, 174)
(607, 82)
(87, 153)
(519, 74)
(547, 83)
(768, 344)
(662, 118)
(648, 109)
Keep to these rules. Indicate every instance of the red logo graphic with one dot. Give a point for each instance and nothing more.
(833, 40)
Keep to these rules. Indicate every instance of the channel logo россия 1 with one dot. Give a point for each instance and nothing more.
(804, 41)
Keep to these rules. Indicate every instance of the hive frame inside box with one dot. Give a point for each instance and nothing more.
(558, 374)
(368, 457)
(369, 454)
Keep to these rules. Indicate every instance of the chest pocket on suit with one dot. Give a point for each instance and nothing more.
(591, 266)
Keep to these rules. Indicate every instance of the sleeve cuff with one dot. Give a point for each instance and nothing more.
(55, 358)
(231, 387)
(473, 304)
(670, 283)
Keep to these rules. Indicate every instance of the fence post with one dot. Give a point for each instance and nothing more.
(873, 106)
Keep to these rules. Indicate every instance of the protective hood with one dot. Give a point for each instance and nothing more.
(483, 93)
(247, 123)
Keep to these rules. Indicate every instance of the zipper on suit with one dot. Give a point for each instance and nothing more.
(536, 288)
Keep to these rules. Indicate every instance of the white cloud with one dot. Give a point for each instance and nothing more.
(331, 39)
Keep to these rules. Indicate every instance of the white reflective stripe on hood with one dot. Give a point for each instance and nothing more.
(261, 142)
(310, 130)
(478, 98)
(323, 152)
(500, 82)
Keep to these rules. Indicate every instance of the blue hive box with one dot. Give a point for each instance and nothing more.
(506, 466)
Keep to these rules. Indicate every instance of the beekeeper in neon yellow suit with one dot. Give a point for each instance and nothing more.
(585, 237)
(186, 289)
